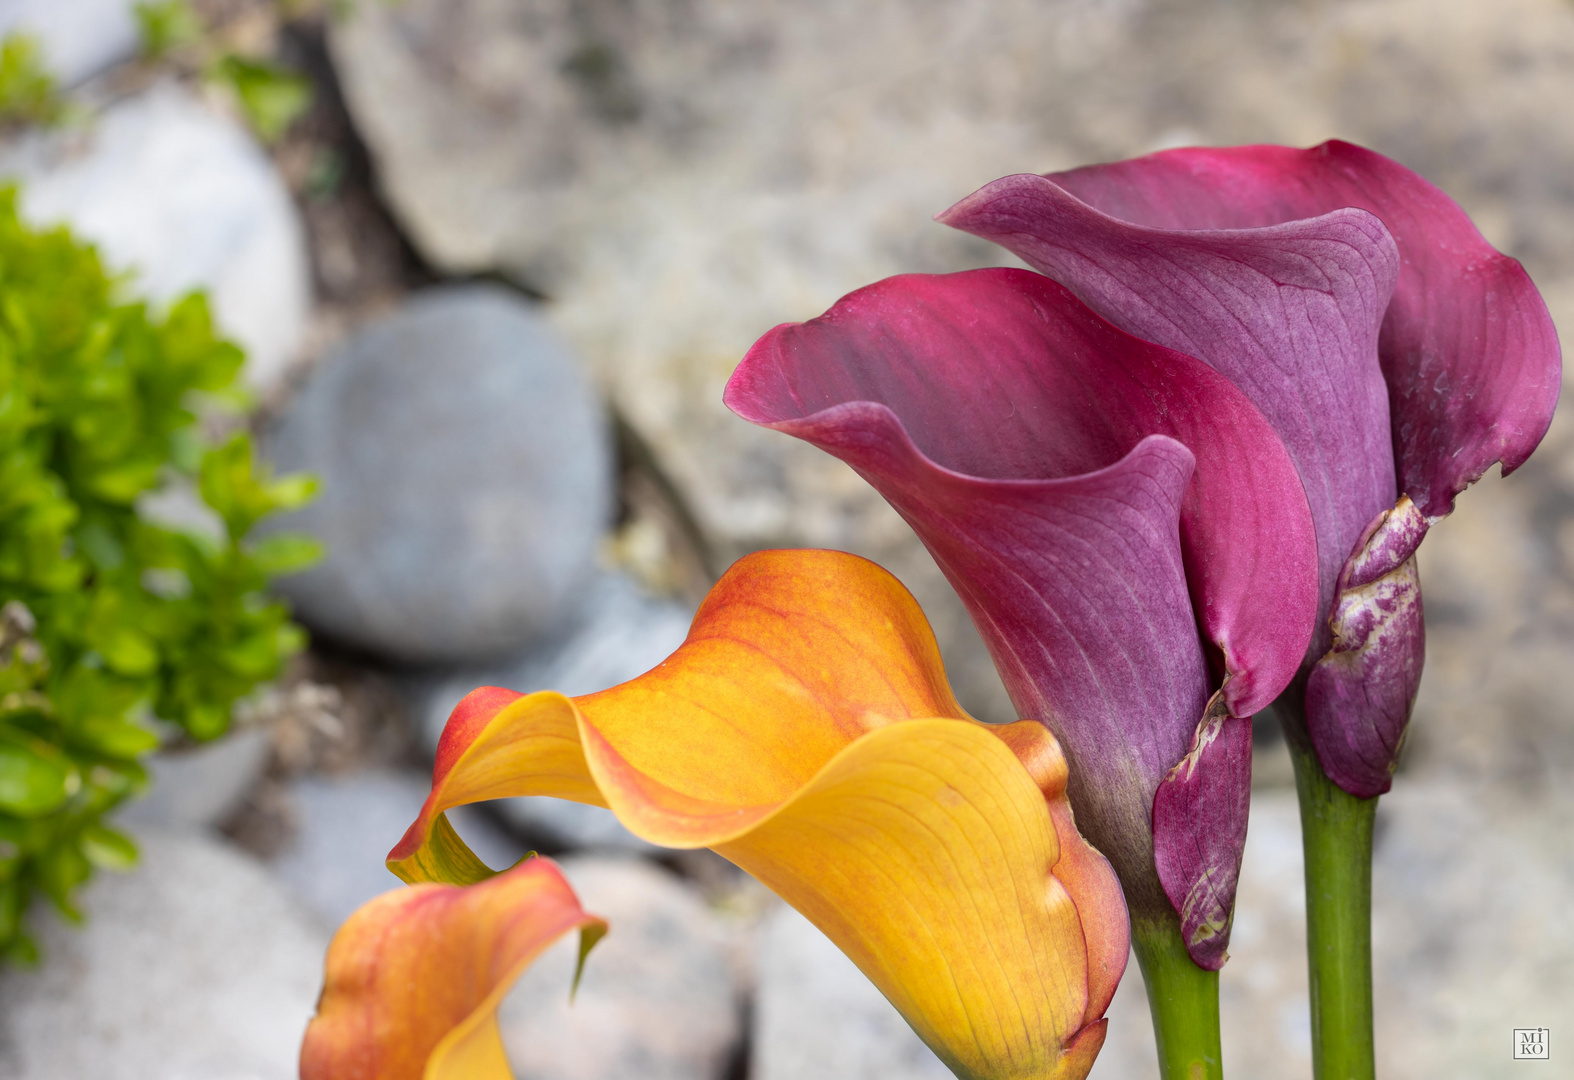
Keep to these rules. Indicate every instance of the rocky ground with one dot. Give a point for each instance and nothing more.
(491, 284)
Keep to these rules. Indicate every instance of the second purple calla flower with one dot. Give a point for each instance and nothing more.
(1466, 369)
(1094, 499)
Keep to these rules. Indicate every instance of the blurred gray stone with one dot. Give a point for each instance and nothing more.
(658, 1001)
(201, 786)
(79, 37)
(185, 198)
(196, 966)
(620, 633)
(816, 1015)
(345, 826)
(466, 479)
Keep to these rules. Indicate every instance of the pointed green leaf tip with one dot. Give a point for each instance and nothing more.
(589, 935)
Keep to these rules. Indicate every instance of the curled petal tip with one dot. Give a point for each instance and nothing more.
(1468, 349)
(414, 977)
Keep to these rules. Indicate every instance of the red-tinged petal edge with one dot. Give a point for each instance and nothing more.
(1359, 696)
(1468, 348)
(1289, 313)
(1033, 447)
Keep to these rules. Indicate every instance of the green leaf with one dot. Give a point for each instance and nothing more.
(292, 492)
(164, 25)
(27, 91)
(124, 481)
(255, 657)
(270, 96)
(31, 784)
(129, 652)
(207, 721)
(285, 553)
(116, 737)
(108, 847)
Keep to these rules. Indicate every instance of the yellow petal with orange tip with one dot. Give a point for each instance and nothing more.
(806, 731)
(414, 977)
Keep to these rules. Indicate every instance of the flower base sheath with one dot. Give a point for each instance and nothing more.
(805, 730)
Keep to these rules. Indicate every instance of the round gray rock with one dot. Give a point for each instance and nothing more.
(466, 478)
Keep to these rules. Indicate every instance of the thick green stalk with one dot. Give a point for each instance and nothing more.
(1336, 835)
(1184, 1000)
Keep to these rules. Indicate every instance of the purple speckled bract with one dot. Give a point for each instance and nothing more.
(1203, 807)
(1373, 669)
(1042, 456)
(1465, 346)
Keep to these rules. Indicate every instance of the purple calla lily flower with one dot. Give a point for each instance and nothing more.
(1094, 499)
(1466, 369)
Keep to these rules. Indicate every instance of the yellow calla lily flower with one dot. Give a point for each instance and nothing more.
(805, 730)
(414, 977)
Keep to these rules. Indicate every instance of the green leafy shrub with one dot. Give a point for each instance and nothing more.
(116, 632)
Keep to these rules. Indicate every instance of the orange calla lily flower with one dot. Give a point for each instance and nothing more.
(805, 730)
(414, 977)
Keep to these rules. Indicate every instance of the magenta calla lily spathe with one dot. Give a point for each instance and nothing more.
(1093, 498)
(1188, 248)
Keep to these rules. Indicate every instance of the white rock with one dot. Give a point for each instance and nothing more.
(345, 826)
(185, 198)
(79, 37)
(658, 1000)
(816, 1015)
(196, 966)
(202, 786)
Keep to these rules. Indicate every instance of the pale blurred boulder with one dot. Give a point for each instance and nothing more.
(816, 1015)
(196, 965)
(659, 999)
(466, 477)
(79, 37)
(183, 198)
(680, 178)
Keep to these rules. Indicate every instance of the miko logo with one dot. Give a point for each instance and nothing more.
(1530, 1044)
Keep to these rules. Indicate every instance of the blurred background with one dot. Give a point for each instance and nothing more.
(492, 262)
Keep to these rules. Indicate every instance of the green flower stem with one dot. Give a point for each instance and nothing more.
(1336, 834)
(1184, 1000)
